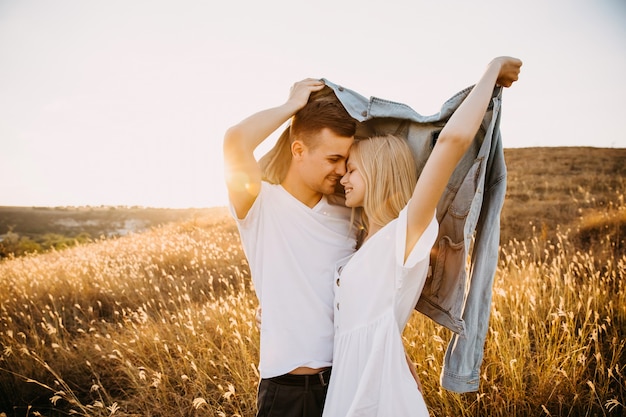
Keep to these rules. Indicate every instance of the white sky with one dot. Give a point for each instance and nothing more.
(125, 102)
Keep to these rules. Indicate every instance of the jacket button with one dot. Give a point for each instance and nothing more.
(340, 88)
(364, 113)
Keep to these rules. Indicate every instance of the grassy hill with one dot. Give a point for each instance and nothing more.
(162, 322)
(549, 189)
(576, 188)
(106, 221)
(37, 229)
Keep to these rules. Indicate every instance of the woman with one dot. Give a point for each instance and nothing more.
(378, 287)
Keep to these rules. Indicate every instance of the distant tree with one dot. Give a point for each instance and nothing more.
(13, 244)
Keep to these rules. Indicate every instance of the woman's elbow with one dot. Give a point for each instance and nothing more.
(457, 139)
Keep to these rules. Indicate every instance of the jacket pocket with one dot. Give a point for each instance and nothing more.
(462, 199)
(448, 279)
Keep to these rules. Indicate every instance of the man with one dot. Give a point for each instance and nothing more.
(293, 238)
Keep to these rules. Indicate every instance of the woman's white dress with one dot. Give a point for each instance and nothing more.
(375, 294)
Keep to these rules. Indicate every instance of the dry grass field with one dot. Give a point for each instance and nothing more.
(161, 323)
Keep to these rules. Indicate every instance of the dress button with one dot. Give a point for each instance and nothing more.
(338, 281)
(337, 306)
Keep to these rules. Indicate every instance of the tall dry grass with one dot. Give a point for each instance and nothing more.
(154, 324)
(162, 324)
(556, 341)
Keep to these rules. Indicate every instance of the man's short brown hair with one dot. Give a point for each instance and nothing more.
(323, 110)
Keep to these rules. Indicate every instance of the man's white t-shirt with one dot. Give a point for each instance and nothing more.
(292, 250)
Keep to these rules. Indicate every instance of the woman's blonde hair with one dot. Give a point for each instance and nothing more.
(388, 168)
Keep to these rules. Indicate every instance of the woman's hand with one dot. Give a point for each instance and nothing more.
(257, 318)
(413, 370)
(509, 70)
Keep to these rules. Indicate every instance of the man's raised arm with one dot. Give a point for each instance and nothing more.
(243, 173)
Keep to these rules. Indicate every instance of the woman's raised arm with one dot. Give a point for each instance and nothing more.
(452, 143)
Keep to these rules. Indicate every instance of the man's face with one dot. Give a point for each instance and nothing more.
(324, 164)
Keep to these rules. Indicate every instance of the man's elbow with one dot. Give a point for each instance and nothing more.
(232, 137)
(235, 145)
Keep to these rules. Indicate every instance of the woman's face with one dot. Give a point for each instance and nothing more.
(354, 184)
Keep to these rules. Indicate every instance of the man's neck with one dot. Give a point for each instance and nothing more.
(303, 194)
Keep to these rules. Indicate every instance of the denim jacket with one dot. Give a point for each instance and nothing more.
(456, 295)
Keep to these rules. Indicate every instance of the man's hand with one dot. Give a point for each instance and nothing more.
(301, 90)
